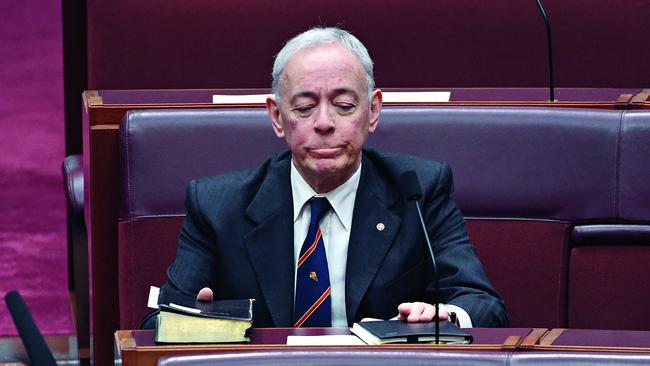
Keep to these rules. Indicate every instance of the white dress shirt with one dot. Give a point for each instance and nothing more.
(335, 228)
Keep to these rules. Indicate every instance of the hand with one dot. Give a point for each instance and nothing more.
(205, 294)
(419, 312)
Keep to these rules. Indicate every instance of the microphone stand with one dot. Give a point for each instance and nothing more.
(550, 50)
(37, 350)
(435, 272)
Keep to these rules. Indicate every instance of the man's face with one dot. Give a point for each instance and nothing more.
(324, 114)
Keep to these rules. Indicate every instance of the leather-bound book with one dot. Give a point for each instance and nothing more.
(398, 331)
(222, 321)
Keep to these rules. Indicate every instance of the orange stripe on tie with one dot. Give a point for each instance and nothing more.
(310, 250)
(313, 308)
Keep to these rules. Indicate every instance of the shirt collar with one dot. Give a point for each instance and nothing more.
(341, 198)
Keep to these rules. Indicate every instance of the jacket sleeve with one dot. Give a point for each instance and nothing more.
(195, 261)
(193, 267)
(463, 281)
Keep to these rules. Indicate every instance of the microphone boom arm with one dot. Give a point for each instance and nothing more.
(435, 271)
(550, 50)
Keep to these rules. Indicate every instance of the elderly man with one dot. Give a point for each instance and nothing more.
(321, 235)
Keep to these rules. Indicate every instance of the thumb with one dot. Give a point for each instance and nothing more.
(205, 294)
(403, 311)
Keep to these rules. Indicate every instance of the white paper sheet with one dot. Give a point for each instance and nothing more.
(325, 340)
(389, 97)
(152, 302)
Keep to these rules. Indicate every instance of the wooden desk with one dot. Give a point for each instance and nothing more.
(585, 340)
(137, 347)
(641, 99)
(104, 109)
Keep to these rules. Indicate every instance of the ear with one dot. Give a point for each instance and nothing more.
(375, 110)
(273, 110)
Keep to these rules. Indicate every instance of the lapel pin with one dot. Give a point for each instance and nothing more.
(313, 276)
(381, 226)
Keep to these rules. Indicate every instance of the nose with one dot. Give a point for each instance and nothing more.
(324, 122)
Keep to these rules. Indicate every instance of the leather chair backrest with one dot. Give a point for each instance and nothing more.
(375, 357)
(578, 358)
(537, 163)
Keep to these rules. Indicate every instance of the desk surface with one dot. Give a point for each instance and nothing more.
(137, 347)
(560, 339)
(565, 97)
(155, 96)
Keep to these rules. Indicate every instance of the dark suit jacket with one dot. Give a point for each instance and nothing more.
(237, 239)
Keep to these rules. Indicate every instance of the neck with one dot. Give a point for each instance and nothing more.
(324, 184)
(327, 185)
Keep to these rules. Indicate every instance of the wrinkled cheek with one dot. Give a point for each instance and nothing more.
(296, 142)
(293, 124)
(359, 139)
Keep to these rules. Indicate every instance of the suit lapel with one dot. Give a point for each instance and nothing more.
(374, 227)
(270, 243)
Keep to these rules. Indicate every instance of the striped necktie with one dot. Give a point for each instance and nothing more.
(313, 306)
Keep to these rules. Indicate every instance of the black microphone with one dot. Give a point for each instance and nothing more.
(37, 350)
(550, 50)
(413, 192)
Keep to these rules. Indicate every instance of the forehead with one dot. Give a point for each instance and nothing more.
(323, 66)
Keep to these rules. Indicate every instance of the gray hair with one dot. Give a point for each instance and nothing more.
(315, 37)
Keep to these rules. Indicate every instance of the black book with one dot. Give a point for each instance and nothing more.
(240, 309)
(398, 331)
(183, 319)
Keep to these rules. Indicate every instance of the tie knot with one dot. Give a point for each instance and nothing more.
(319, 206)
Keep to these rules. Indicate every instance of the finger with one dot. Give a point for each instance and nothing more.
(416, 310)
(428, 313)
(444, 315)
(403, 310)
(205, 294)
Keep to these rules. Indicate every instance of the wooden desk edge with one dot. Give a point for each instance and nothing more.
(641, 98)
(546, 340)
(551, 336)
(133, 355)
(97, 103)
(533, 337)
(617, 349)
(127, 343)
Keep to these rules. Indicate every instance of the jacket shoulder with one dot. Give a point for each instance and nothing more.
(394, 165)
(237, 188)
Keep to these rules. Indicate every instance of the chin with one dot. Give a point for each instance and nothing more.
(327, 170)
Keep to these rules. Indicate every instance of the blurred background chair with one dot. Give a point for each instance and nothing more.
(78, 281)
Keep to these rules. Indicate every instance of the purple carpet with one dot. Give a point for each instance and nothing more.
(32, 205)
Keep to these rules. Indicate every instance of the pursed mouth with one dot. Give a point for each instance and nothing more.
(325, 152)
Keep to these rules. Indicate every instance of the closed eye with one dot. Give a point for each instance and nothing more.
(303, 111)
(345, 108)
